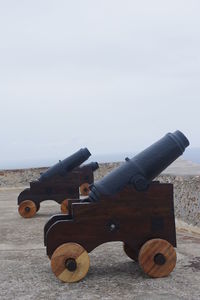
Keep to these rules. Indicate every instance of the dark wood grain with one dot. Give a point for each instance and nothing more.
(130, 216)
(58, 188)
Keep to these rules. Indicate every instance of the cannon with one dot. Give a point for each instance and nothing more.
(126, 205)
(63, 181)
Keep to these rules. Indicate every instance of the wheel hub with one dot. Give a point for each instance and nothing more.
(159, 259)
(27, 209)
(71, 264)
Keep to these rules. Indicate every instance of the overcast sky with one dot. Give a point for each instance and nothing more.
(114, 76)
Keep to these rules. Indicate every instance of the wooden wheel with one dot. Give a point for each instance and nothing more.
(70, 262)
(84, 189)
(27, 209)
(157, 258)
(64, 207)
(130, 252)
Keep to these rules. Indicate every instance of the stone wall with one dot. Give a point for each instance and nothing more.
(22, 177)
(186, 188)
(186, 197)
(19, 178)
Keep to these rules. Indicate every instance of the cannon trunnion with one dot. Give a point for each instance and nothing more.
(66, 180)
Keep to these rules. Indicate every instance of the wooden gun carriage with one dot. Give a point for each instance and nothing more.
(61, 182)
(127, 206)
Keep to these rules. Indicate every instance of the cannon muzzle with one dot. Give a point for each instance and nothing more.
(66, 165)
(143, 168)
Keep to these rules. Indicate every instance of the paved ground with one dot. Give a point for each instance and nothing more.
(26, 274)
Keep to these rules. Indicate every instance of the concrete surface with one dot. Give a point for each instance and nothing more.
(25, 269)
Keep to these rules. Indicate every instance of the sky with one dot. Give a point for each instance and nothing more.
(113, 76)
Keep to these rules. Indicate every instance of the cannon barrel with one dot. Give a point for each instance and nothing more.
(66, 165)
(93, 165)
(141, 169)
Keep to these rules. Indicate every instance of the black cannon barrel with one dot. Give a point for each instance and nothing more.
(93, 165)
(66, 165)
(142, 168)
